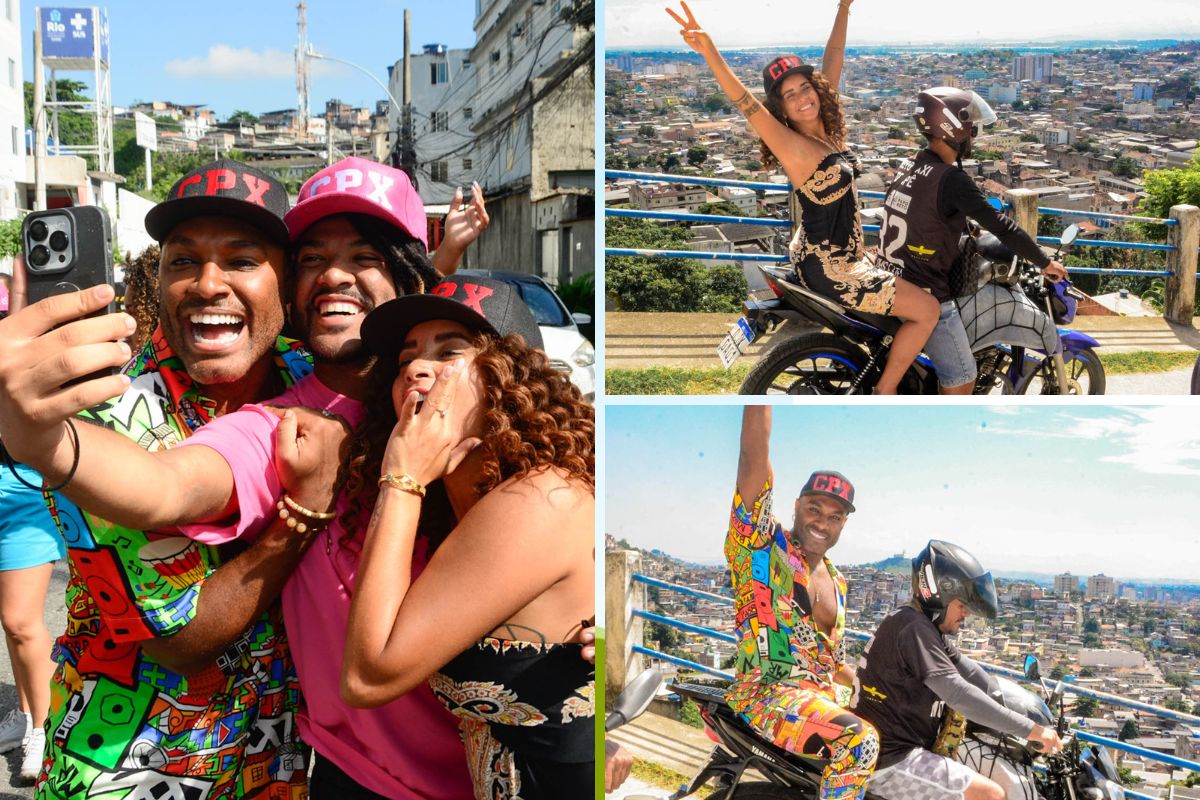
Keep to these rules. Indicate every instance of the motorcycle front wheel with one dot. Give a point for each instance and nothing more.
(812, 363)
(1085, 375)
(1196, 377)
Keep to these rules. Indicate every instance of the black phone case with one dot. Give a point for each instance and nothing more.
(89, 254)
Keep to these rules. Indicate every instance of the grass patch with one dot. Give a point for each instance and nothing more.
(715, 380)
(663, 777)
(674, 380)
(1140, 361)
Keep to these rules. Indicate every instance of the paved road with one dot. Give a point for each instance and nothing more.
(12, 787)
(633, 789)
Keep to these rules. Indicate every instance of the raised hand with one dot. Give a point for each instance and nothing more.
(464, 223)
(37, 358)
(425, 443)
(693, 35)
(309, 447)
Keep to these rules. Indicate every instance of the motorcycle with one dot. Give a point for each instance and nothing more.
(1007, 308)
(630, 704)
(1196, 377)
(1079, 772)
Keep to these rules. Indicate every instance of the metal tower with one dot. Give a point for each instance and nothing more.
(302, 72)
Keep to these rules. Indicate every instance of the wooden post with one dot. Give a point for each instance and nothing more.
(622, 630)
(1024, 209)
(1179, 299)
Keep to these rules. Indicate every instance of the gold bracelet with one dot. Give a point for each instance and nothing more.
(305, 512)
(405, 483)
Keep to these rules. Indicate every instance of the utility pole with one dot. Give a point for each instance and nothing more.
(302, 73)
(408, 152)
(39, 119)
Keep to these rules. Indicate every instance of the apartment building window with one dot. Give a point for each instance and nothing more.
(439, 171)
(440, 121)
(16, 141)
(468, 114)
(439, 72)
(8, 12)
(12, 73)
(467, 165)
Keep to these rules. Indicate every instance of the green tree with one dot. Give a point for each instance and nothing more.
(1125, 167)
(1171, 187)
(243, 116)
(1058, 672)
(689, 713)
(1127, 778)
(1129, 731)
(1091, 626)
(1030, 137)
(721, 207)
(1178, 704)
(646, 130)
(1087, 672)
(697, 154)
(671, 161)
(74, 127)
(1018, 105)
(717, 103)
(10, 237)
(1180, 679)
(1086, 706)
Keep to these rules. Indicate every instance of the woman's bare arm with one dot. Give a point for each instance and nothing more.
(835, 48)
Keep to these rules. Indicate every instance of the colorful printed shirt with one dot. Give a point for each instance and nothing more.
(122, 725)
(777, 637)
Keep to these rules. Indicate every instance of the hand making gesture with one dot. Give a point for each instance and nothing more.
(692, 33)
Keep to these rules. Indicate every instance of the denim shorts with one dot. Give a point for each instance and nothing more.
(950, 350)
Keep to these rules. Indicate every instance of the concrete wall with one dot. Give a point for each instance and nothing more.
(12, 112)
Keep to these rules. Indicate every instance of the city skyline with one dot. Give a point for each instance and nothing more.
(1026, 489)
(185, 55)
(634, 23)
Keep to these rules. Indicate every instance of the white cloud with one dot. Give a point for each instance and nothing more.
(1163, 440)
(239, 63)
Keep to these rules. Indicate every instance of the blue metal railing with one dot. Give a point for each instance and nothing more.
(776, 187)
(1083, 735)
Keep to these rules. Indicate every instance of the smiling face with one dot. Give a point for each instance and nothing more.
(340, 277)
(819, 522)
(220, 307)
(798, 99)
(956, 613)
(428, 349)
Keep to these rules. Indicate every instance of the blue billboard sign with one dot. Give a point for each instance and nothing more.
(69, 32)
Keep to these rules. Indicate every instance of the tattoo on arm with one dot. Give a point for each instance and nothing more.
(747, 104)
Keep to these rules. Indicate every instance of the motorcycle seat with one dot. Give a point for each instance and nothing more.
(888, 325)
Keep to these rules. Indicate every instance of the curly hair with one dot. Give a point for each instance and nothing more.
(142, 294)
(832, 118)
(533, 418)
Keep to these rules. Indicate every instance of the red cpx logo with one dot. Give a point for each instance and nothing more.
(225, 180)
(782, 65)
(833, 485)
(475, 295)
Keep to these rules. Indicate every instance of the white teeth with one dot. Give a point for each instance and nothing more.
(215, 319)
(340, 308)
(224, 337)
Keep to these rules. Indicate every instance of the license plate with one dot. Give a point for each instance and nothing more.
(735, 342)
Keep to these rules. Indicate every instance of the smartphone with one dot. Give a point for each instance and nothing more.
(67, 249)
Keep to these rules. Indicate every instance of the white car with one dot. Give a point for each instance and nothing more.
(569, 351)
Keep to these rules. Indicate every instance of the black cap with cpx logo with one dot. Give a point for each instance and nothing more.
(478, 304)
(225, 188)
(780, 68)
(830, 484)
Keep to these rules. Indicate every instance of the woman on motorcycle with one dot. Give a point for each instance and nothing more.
(805, 134)
(460, 399)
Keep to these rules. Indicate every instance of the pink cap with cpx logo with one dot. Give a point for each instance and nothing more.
(358, 186)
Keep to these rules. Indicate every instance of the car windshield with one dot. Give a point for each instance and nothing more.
(546, 308)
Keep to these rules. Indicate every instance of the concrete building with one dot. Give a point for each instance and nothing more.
(1101, 587)
(1143, 89)
(443, 93)
(533, 122)
(656, 198)
(1038, 69)
(1115, 659)
(1065, 584)
(745, 200)
(12, 111)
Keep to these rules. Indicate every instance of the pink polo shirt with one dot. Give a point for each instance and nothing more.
(409, 748)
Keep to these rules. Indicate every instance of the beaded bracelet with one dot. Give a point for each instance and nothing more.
(405, 483)
(290, 510)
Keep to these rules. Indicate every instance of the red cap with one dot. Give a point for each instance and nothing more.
(358, 186)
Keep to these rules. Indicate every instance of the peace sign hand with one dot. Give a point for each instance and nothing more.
(692, 34)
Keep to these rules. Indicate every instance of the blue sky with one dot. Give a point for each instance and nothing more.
(768, 22)
(234, 55)
(1026, 488)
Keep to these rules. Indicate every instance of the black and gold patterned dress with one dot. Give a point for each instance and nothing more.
(827, 250)
(526, 712)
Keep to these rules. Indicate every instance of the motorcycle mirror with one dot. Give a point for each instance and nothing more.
(635, 699)
(995, 203)
(1032, 672)
(1069, 235)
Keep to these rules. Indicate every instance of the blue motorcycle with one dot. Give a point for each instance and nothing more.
(1010, 312)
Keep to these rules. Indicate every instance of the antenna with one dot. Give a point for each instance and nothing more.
(301, 72)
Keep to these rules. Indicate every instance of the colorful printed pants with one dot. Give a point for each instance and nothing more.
(806, 721)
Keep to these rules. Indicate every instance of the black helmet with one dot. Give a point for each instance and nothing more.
(952, 115)
(944, 571)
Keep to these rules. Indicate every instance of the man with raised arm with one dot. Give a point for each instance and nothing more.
(790, 607)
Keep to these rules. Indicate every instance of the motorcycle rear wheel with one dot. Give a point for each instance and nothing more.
(812, 363)
(1085, 375)
(762, 791)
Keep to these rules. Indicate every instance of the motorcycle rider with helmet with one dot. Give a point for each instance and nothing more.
(925, 214)
(909, 673)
